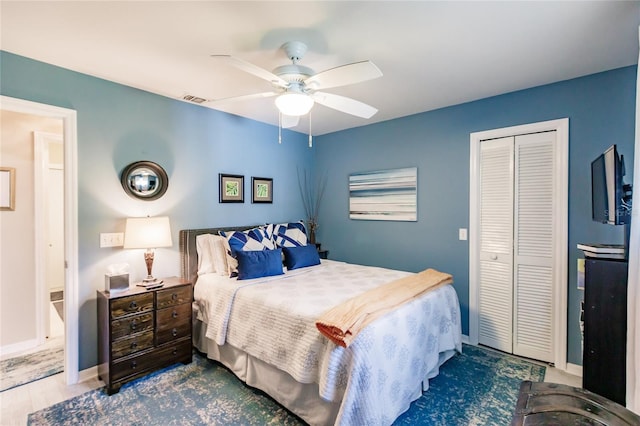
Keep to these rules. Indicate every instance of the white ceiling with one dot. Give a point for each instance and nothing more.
(432, 54)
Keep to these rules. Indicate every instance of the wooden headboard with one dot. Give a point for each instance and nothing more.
(188, 252)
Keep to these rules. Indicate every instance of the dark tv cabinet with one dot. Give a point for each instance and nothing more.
(605, 328)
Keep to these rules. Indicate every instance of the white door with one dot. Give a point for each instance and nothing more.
(55, 229)
(533, 246)
(495, 294)
(516, 244)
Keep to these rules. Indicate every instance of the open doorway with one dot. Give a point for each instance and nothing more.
(21, 247)
(34, 231)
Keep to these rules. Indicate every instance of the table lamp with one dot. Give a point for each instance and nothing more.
(148, 233)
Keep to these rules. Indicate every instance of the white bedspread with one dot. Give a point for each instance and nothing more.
(377, 376)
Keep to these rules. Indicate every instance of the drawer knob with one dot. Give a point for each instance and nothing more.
(134, 345)
(134, 324)
(175, 351)
(134, 365)
(174, 296)
(174, 314)
(133, 305)
(174, 332)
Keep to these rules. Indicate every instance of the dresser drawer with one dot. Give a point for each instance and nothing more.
(131, 325)
(133, 344)
(152, 359)
(173, 323)
(131, 305)
(174, 296)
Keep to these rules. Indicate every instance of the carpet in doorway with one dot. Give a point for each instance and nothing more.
(28, 368)
(476, 387)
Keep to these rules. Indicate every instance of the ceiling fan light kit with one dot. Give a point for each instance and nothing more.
(296, 86)
(294, 104)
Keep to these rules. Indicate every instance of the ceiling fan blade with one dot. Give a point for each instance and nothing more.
(344, 75)
(344, 104)
(243, 97)
(289, 121)
(252, 69)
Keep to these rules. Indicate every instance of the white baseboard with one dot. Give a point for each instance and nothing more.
(465, 339)
(88, 374)
(574, 369)
(18, 347)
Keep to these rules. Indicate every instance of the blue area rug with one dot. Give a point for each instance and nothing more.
(28, 368)
(476, 387)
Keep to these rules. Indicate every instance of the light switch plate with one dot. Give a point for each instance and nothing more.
(115, 239)
(462, 234)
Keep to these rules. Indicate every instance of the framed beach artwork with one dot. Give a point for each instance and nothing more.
(231, 188)
(384, 195)
(262, 190)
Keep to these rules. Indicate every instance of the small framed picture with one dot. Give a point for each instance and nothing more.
(7, 188)
(262, 190)
(231, 188)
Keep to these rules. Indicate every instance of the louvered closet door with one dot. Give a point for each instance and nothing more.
(496, 244)
(533, 246)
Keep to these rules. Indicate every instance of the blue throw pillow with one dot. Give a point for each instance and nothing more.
(257, 264)
(301, 257)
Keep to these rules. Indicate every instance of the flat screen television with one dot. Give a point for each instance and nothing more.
(610, 197)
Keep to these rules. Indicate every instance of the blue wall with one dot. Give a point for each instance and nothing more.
(118, 125)
(601, 111)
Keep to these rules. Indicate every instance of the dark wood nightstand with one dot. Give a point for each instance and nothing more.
(322, 253)
(141, 331)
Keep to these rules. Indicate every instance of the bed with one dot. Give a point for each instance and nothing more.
(263, 330)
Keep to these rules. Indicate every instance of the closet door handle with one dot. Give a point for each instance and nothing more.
(494, 257)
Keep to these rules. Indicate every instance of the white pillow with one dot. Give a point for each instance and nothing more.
(205, 260)
(219, 247)
(212, 254)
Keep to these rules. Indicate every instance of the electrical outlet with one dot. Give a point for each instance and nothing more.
(115, 239)
(462, 234)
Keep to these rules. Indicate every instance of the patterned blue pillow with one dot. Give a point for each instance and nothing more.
(259, 238)
(291, 234)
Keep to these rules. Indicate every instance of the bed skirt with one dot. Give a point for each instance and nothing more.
(301, 399)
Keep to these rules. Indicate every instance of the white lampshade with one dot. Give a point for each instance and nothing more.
(294, 104)
(147, 232)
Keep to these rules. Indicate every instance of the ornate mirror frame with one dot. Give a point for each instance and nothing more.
(144, 180)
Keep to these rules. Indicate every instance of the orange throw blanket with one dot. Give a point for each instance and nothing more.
(342, 323)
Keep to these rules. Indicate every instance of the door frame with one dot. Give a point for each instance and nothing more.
(69, 120)
(561, 219)
(41, 167)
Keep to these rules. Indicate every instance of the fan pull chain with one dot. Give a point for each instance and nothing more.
(280, 128)
(310, 137)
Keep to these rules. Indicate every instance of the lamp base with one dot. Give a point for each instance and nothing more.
(150, 285)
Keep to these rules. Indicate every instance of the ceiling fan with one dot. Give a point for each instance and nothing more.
(297, 86)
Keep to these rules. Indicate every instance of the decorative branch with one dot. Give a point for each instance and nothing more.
(312, 195)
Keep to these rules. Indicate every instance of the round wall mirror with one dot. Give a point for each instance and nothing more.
(144, 180)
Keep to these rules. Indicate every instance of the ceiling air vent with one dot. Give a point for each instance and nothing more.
(194, 99)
